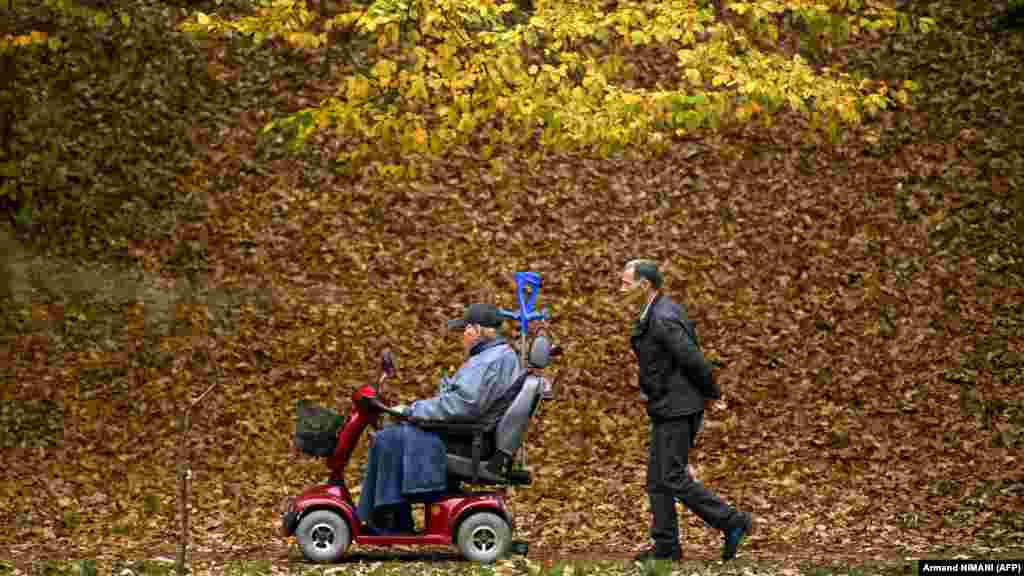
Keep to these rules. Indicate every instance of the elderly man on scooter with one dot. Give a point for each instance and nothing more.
(406, 462)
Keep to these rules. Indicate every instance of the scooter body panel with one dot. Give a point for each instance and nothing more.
(441, 522)
(322, 496)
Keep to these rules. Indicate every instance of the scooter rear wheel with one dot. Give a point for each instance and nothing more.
(323, 535)
(484, 537)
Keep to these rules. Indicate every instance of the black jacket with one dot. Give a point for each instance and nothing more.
(674, 375)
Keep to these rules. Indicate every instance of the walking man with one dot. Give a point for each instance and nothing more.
(676, 381)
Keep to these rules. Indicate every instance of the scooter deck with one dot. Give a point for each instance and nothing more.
(399, 540)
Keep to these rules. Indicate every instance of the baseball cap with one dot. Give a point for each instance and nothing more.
(480, 314)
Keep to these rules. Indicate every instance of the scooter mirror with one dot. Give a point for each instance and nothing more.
(388, 363)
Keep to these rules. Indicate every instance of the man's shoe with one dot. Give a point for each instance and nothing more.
(654, 553)
(735, 535)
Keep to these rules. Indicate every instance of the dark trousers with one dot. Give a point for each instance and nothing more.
(668, 478)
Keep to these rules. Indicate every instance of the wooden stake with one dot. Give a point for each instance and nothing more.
(184, 560)
(184, 471)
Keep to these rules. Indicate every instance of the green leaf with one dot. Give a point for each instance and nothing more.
(552, 119)
(690, 119)
(23, 217)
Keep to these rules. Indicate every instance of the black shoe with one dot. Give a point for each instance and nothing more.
(655, 553)
(735, 535)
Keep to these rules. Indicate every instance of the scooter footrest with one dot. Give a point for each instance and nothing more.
(519, 477)
(520, 547)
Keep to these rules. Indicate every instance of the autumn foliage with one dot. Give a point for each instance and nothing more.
(863, 295)
(431, 74)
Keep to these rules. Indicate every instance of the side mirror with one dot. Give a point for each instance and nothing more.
(388, 364)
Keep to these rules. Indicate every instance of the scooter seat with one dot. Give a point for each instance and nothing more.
(462, 468)
(482, 453)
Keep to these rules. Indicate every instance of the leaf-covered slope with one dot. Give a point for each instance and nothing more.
(865, 301)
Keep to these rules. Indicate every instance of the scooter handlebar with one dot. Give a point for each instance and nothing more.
(379, 406)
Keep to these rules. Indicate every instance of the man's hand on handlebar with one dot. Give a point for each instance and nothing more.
(393, 419)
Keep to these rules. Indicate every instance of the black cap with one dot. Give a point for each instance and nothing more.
(480, 314)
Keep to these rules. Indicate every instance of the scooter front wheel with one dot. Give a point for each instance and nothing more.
(484, 537)
(323, 535)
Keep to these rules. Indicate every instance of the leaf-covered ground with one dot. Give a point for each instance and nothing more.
(866, 301)
(410, 564)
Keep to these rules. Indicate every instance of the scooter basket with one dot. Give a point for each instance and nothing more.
(316, 429)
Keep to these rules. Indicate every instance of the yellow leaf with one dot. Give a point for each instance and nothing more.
(418, 89)
(436, 145)
(693, 75)
(446, 52)
(383, 71)
(202, 18)
(358, 89)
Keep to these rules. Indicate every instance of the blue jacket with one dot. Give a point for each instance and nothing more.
(489, 371)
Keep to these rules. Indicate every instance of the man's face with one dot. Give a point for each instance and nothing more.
(628, 283)
(470, 334)
(632, 291)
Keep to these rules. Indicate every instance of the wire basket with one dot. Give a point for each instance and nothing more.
(316, 429)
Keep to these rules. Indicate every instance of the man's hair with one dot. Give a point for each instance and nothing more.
(647, 270)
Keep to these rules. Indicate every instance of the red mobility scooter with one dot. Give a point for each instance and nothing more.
(323, 518)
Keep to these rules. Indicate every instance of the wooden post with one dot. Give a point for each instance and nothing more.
(184, 472)
(184, 560)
